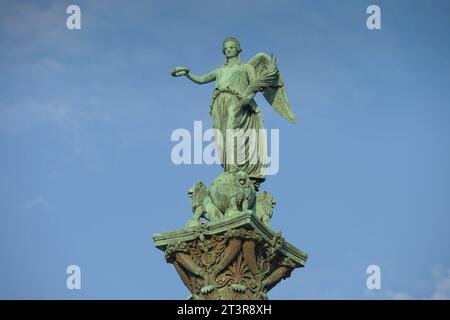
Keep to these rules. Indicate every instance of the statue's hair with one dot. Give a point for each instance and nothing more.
(236, 42)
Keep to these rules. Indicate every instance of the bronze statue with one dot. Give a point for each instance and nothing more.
(233, 107)
(235, 254)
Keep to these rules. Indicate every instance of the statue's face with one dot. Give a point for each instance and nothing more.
(230, 49)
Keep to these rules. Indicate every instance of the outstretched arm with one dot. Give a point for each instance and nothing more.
(182, 71)
(207, 78)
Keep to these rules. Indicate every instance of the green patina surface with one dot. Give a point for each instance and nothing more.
(228, 250)
(246, 220)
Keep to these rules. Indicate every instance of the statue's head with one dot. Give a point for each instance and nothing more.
(197, 189)
(241, 178)
(231, 47)
(197, 193)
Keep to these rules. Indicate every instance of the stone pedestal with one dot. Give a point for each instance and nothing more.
(235, 258)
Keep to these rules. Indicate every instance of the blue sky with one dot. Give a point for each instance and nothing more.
(86, 117)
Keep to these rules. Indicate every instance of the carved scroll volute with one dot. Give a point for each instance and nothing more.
(248, 251)
(275, 277)
(187, 262)
(282, 272)
(184, 276)
(230, 253)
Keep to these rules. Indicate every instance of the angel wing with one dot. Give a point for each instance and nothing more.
(268, 80)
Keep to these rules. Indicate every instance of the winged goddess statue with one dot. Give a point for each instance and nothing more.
(234, 111)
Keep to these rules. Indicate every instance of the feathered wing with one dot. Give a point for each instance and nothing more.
(268, 80)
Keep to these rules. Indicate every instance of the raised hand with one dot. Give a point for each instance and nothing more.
(179, 71)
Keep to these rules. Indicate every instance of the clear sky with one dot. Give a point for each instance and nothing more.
(86, 118)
